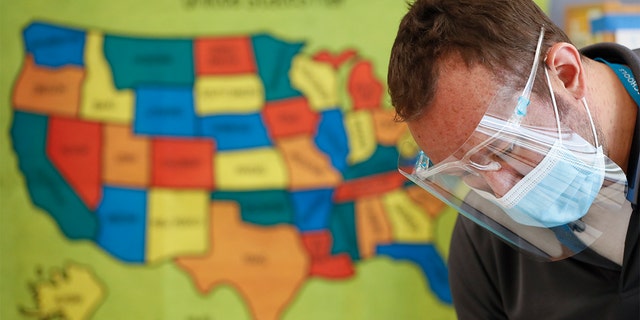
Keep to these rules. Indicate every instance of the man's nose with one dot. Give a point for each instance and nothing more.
(500, 181)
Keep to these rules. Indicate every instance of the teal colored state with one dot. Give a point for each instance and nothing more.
(343, 230)
(274, 58)
(269, 207)
(143, 62)
(48, 189)
(383, 160)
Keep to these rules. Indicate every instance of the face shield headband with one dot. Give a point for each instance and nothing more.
(529, 178)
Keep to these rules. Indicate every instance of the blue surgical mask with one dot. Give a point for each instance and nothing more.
(560, 189)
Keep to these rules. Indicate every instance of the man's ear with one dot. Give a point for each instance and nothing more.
(563, 61)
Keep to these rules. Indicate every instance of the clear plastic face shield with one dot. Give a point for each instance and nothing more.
(528, 178)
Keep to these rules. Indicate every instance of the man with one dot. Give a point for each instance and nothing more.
(535, 143)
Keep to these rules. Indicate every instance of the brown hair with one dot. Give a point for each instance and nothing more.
(498, 34)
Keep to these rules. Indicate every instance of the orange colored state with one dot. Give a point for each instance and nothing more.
(431, 205)
(266, 264)
(224, 55)
(126, 157)
(388, 131)
(372, 226)
(74, 148)
(323, 264)
(368, 186)
(308, 167)
(366, 91)
(290, 117)
(182, 163)
(48, 91)
(336, 61)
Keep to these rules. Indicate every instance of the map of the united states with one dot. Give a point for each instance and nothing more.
(242, 159)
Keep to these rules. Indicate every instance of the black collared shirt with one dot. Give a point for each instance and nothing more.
(491, 280)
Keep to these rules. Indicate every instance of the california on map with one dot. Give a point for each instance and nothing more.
(241, 159)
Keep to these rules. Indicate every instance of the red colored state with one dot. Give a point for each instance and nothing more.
(366, 91)
(224, 56)
(323, 264)
(74, 148)
(368, 186)
(318, 243)
(335, 60)
(182, 163)
(336, 267)
(290, 117)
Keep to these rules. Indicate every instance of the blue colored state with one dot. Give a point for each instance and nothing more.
(165, 111)
(47, 188)
(122, 216)
(332, 138)
(234, 132)
(274, 58)
(312, 209)
(429, 260)
(53, 46)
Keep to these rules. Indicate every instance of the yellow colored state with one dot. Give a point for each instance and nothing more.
(318, 81)
(361, 135)
(255, 169)
(73, 294)
(178, 223)
(229, 94)
(100, 99)
(409, 223)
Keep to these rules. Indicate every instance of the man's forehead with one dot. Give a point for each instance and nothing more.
(461, 98)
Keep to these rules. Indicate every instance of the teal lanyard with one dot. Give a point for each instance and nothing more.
(626, 77)
(631, 85)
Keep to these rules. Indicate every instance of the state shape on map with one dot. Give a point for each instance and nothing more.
(72, 293)
(267, 265)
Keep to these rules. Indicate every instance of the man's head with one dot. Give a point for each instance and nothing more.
(458, 72)
(497, 35)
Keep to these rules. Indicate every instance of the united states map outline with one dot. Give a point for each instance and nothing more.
(135, 142)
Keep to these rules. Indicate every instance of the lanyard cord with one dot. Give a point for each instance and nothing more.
(626, 77)
(629, 82)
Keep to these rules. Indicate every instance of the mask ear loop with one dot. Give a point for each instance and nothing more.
(593, 126)
(557, 114)
(555, 105)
